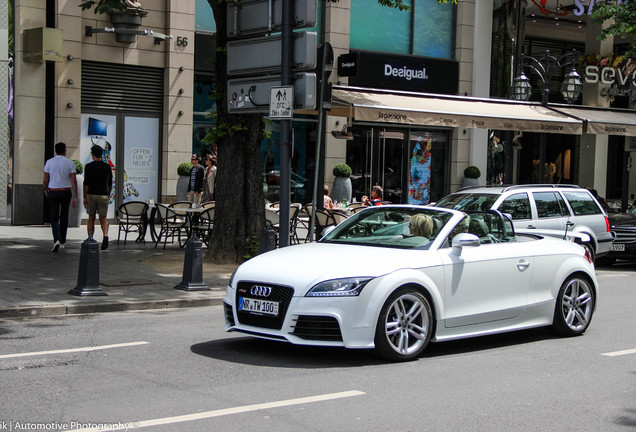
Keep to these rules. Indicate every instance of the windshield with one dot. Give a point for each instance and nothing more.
(395, 227)
(468, 202)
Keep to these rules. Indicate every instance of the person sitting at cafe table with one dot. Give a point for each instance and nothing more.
(376, 197)
(327, 198)
(421, 225)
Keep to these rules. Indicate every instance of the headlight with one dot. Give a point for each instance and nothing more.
(349, 287)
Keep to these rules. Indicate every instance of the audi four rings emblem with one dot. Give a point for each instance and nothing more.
(261, 291)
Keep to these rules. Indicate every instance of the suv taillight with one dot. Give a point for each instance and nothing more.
(607, 224)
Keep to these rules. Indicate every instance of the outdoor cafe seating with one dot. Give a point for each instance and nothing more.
(132, 218)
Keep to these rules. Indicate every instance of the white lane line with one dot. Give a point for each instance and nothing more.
(620, 353)
(222, 412)
(71, 350)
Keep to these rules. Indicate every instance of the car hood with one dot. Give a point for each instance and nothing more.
(302, 266)
(621, 219)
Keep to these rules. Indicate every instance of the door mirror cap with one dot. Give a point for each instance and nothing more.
(463, 240)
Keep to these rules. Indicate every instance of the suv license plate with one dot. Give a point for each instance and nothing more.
(617, 247)
(263, 307)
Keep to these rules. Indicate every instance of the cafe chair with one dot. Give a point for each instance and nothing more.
(323, 220)
(208, 204)
(338, 216)
(132, 217)
(181, 205)
(203, 227)
(172, 225)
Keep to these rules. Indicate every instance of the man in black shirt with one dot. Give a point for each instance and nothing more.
(98, 181)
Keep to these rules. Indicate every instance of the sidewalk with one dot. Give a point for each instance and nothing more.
(35, 282)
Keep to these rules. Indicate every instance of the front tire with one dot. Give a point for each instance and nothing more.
(404, 326)
(574, 307)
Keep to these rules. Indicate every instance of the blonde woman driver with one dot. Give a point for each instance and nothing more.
(421, 225)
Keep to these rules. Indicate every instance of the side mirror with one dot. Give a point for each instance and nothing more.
(464, 240)
(327, 230)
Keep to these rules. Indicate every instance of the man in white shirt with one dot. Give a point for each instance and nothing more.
(60, 186)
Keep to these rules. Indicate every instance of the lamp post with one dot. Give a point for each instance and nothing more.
(546, 67)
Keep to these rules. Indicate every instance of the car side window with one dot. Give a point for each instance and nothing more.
(549, 205)
(517, 206)
(582, 203)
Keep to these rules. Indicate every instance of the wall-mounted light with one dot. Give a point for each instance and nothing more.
(181, 69)
(70, 57)
(181, 91)
(180, 113)
(69, 105)
(69, 81)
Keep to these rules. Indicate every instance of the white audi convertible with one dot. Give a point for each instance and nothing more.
(396, 277)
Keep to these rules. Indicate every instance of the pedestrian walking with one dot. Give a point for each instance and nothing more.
(98, 182)
(208, 179)
(60, 187)
(195, 185)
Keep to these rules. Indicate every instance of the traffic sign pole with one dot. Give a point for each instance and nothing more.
(287, 57)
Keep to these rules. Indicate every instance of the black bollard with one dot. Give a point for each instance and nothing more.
(268, 238)
(192, 267)
(88, 274)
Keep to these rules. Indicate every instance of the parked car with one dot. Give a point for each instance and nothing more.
(548, 209)
(623, 226)
(374, 282)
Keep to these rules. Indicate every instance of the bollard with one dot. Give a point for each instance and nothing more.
(192, 267)
(88, 274)
(268, 238)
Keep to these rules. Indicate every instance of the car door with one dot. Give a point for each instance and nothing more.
(552, 212)
(486, 283)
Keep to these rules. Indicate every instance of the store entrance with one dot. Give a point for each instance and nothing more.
(375, 156)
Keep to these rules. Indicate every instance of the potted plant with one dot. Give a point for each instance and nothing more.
(75, 213)
(471, 174)
(182, 183)
(341, 189)
(124, 14)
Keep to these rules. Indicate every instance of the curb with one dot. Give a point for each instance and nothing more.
(79, 309)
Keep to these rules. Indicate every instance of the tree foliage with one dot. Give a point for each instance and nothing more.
(620, 18)
(240, 209)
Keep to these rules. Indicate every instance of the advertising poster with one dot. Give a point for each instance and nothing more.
(141, 158)
(420, 171)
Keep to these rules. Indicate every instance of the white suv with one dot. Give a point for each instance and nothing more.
(548, 209)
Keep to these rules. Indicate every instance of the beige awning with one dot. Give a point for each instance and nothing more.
(601, 121)
(463, 112)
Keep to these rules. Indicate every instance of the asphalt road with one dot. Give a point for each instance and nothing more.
(176, 370)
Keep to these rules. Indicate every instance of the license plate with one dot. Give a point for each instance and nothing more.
(617, 247)
(258, 306)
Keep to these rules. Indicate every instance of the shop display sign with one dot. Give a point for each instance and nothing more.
(421, 74)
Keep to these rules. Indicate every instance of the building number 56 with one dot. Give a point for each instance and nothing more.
(182, 41)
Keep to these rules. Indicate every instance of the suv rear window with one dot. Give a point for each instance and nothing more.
(550, 205)
(582, 203)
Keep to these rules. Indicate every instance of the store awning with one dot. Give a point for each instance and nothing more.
(600, 121)
(463, 112)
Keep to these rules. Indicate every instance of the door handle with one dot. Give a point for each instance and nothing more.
(531, 226)
(523, 265)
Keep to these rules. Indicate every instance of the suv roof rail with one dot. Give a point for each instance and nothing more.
(523, 186)
(480, 187)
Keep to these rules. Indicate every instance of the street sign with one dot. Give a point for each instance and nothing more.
(252, 95)
(247, 18)
(260, 55)
(280, 103)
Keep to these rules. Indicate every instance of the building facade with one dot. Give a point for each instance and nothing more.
(421, 95)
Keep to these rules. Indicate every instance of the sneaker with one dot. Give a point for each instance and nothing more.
(105, 243)
(62, 246)
(56, 246)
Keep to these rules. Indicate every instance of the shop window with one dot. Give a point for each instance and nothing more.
(426, 29)
(203, 16)
(204, 107)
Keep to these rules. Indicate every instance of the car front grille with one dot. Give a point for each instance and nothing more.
(317, 328)
(279, 293)
(624, 235)
(229, 316)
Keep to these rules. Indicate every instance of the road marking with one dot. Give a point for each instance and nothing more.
(71, 350)
(620, 353)
(223, 412)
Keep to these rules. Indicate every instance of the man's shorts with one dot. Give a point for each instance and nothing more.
(97, 204)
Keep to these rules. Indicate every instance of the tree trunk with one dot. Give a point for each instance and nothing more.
(240, 205)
